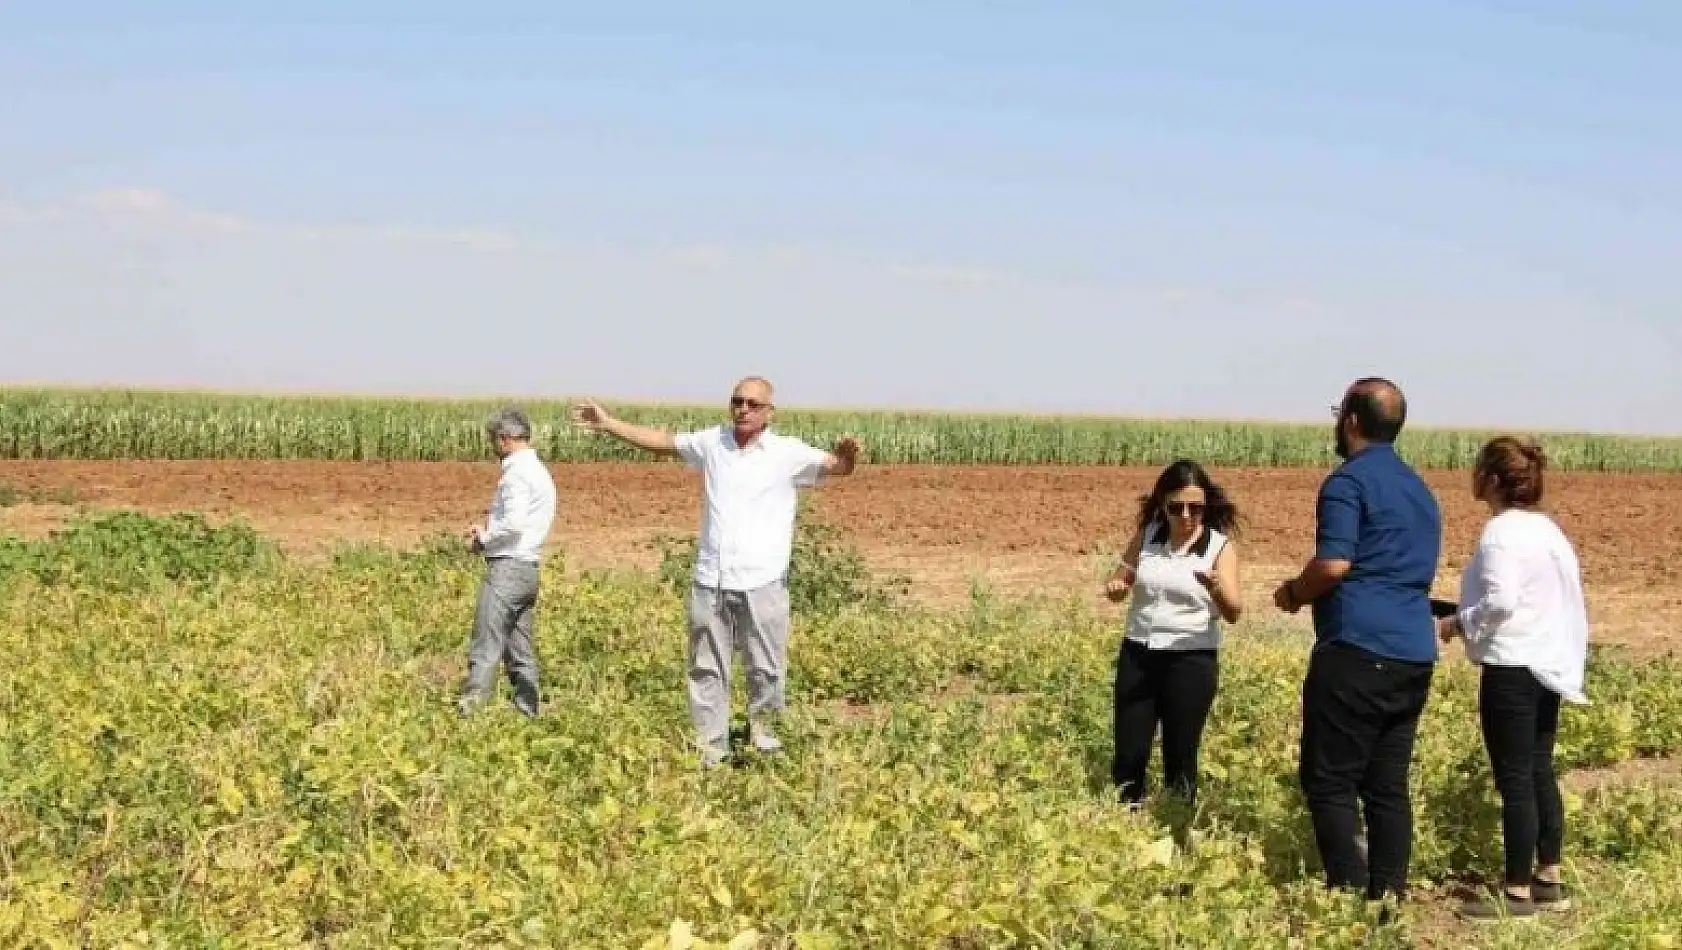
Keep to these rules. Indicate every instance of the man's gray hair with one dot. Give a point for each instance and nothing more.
(511, 422)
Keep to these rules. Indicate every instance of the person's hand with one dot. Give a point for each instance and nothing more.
(847, 450)
(1284, 601)
(1448, 628)
(1119, 584)
(1116, 589)
(589, 415)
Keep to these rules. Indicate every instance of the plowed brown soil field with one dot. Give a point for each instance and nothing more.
(1019, 529)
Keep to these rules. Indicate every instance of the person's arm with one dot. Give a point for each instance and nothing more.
(513, 498)
(1223, 584)
(591, 416)
(1497, 573)
(1121, 579)
(813, 466)
(1338, 527)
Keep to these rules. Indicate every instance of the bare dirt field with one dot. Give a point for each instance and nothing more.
(1021, 530)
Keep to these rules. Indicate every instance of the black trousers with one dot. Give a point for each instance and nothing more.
(1520, 719)
(1360, 713)
(1170, 688)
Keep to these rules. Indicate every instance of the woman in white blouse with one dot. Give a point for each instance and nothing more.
(1182, 572)
(1522, 618)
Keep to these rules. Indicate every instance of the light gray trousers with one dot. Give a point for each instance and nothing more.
(502, 631)
(722, 623)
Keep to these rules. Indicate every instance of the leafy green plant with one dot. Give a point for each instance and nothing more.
(130, 549)
(280, 765)
(826, 574)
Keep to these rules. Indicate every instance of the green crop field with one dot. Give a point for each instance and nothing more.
(53, 424)
(206, 744)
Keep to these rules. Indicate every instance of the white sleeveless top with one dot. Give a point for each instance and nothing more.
(1170, 610)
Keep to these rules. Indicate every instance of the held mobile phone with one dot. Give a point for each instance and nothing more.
(1444, 608)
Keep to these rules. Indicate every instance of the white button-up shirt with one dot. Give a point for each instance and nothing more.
(522, 510)
(750, 496)
(1521, 602)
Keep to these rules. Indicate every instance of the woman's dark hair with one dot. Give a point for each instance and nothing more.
(1513, 470)
(1218, 510)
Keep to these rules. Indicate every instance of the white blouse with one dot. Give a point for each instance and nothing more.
(1170, 610)
(1521, 602)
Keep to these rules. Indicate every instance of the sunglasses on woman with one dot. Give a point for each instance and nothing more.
(1184, 509)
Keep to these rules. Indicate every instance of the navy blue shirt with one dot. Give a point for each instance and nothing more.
(1377, 513)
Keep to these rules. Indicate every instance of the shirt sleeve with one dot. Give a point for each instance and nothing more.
(807, 463)
(1337, 519)
(691, 447)
(1499, 581)
(513, 499)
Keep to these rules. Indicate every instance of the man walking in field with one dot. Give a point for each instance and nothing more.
(511, 540)
(738, 600)
(1377, 539)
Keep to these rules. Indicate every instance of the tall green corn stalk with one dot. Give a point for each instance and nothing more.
(64, 424)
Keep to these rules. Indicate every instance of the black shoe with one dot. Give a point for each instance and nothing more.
(1504, 906)
(1549, 895)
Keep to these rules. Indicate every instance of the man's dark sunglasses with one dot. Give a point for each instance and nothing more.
(737, 402)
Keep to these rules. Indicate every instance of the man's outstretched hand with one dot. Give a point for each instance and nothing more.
(843, 458)
(589, 415)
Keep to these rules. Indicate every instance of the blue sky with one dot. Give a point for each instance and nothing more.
(1209, 210)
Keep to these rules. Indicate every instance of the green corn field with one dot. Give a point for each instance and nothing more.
(111, 424)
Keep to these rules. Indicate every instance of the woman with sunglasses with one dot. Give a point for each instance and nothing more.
(1181, 570)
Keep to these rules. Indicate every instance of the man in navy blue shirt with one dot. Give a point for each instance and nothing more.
(1377, 539)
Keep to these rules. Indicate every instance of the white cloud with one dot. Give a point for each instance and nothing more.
(1180, 296)
(128, 201)
(946, 274)
(143, 210)
(177, 294)
(701, 257)
(476, 239)
(142, 207)
(12, 213)
(1302, 306)
(150, 207)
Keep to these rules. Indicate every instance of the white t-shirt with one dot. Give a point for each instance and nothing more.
(1521, 602)
(1170, 610)
(749, 501)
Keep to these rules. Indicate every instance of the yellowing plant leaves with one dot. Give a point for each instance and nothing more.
(1159, 852)
(746, 940)
(229, 797)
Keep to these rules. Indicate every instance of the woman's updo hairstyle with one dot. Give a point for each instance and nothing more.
(1512, 469)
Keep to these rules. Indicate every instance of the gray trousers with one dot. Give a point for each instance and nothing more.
(722, 623)
(502, 631)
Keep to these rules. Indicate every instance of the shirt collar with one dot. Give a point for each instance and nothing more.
(1374, 448)
(1198, 548)
(515, 456)
(727, 433)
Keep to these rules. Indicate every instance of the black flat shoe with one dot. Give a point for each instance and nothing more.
(1550, 895)
(1503, 906)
